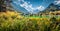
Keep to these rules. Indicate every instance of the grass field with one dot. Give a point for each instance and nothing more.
(44, 16)
(12, 21)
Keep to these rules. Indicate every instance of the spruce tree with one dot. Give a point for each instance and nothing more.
(2, 6)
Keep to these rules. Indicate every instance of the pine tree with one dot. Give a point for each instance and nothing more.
(2, 6)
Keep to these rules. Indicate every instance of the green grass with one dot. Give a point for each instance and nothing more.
(46, 16)
(25, 24)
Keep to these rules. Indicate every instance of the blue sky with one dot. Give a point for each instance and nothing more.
(32, 6)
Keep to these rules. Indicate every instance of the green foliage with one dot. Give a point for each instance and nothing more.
(13, 23)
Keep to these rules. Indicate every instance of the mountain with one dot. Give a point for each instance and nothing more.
(51, 8)
(19, 8)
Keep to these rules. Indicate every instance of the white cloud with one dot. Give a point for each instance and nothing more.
(29, 7)
(57, 2)
(40, 8)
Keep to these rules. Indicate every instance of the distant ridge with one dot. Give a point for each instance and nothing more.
(51, 8)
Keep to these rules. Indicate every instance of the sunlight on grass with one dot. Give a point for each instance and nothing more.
(13, 21)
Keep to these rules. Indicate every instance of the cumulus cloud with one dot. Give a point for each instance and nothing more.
(40, 8)
(57, 2)
(29, 7)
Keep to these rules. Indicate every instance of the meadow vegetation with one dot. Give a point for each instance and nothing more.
(13, 21)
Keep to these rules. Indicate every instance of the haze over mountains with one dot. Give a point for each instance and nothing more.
(28, 7)
(51, 8)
